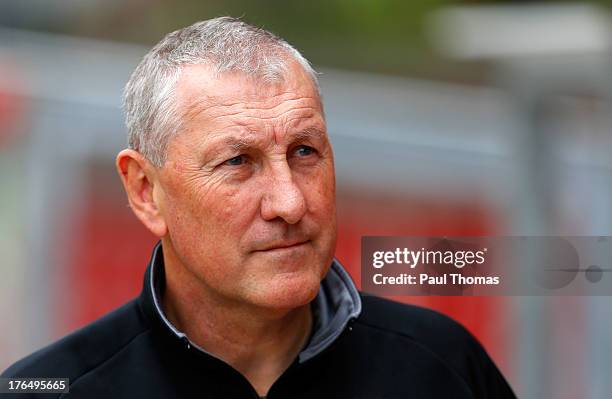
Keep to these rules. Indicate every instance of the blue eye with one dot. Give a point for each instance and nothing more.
(304, 151)
(236, 161)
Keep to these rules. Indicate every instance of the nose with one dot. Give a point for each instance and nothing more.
(282, 198)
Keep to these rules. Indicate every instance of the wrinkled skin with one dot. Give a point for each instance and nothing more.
(245, 201)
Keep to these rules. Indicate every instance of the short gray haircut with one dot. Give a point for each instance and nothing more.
(225, 44)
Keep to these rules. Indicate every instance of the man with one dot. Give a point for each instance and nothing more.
(229, 164)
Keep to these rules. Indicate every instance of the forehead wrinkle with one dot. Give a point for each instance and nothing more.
(199, 96)
(251, 111)
(254, 116)
(257, 103)
(198, 104)
(246, 131)
(195, 107)
(202, 103)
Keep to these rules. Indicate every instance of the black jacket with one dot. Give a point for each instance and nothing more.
(361, 347)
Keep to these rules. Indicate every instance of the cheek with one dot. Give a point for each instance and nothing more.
(320, 194)
(212, 215)
(231, 213)
(320, 190)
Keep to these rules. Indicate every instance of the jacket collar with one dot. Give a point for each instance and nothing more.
(336, 304)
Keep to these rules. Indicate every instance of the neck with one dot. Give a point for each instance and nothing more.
(259, 343)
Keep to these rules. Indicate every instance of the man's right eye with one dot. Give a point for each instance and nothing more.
(236, 161)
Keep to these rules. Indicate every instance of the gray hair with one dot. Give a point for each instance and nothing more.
(225, 44)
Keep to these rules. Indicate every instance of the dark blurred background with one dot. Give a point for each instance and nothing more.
(447, 118)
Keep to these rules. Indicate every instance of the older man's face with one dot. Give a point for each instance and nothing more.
(249, 188)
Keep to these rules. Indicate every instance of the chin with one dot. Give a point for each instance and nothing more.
(289, 291)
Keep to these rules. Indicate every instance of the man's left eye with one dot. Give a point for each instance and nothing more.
(236, 161)
(304, 151)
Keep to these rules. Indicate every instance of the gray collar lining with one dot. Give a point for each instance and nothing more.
(155, 289)
(336, 304)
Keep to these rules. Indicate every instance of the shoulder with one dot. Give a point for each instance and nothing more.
(411, 322)
(84, 349)
(442, 337)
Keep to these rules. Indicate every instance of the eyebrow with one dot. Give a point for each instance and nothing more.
(308, 133)
(240, 144)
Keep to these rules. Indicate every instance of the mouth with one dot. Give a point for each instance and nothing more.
(283, 246)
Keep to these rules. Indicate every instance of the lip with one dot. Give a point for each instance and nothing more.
(285, 245)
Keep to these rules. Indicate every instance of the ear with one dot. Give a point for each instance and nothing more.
(140, 181)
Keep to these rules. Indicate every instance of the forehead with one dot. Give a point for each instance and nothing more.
(200, 90)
